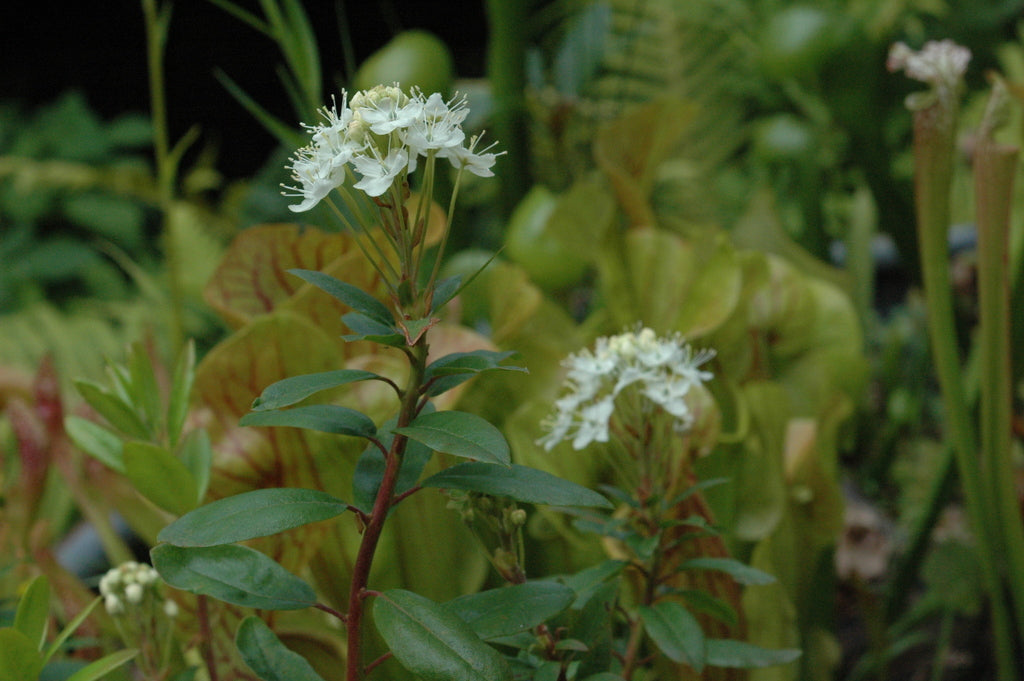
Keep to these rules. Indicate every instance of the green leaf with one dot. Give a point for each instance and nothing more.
(327, 418)
(459, 433)
(704, 602)
(258, 513)
(722, 652)
(115, 410)
(181, 391)
(263, 651)
(444, 291)
(196, 453)
(96, 441)
(69, 629)
(588, 581)
(160, 477)
(676, 632)
(744, 574)
(145, 392)
(370, 467)
(33, 610)
(604, 676)
(458, 367)
(19, 658)
(521, 483)
(353, 296)
(509, 610)
(297, 388)
(232, 573)
(433, 643)
(369, 329)
(103, 666)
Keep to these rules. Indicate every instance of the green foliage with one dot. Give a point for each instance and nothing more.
(502, 612)
(433, 643)
(459, 434)
(521, 483)
(263, 651)
(24, 653)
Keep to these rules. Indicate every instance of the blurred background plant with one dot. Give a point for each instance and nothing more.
(737, 172)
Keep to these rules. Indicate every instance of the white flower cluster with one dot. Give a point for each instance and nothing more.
(128, 584)
(381, 133)
(941, 63)
(661, 370)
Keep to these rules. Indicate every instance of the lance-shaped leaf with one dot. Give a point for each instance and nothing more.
(744, 574)
(326, 418)
(292, 390)
(370, 468)
(367, 328)
(459, 433)
(458, 367)
(723, 652)
(114, 409)
(263, 651)
(19, 659)
(508, 610)
(232, 573)
(353, 296)
(96, 441)
(103, 666)
(259, 513)
(433, 643)
(33, 611)
(160, 477)
(521, 483)
(676, 632)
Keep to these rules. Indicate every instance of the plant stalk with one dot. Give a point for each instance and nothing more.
(381, 506)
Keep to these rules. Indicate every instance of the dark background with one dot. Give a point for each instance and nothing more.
(99, 49)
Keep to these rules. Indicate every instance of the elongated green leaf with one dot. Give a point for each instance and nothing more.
(701, 601)
(96, 441)
(114, 409)
(444, 291)
(589, 581)
(744, 574)
(69, 629)
(521, 483)
(33, 611)
(145, 392)
(103, 666)
(676, 632)
(369, 329)
(19, 658)
(433, 643)
(181, 391)
(232, 573)
(258, 513)
(723, 652)
(459, 433)
(297, 388)
(458, 367)
(196, 453)
(287, 135)
(263, 651)
(509, 610)
(353, 296)
(370, 467)
(327, 418)
(160, 477)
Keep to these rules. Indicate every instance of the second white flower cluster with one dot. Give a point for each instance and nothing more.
(381, 134)
(129, 584)
(662, 370)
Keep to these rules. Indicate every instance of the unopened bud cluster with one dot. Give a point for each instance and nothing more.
(133, 585)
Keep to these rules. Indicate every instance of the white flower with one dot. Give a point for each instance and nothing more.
(663, 371)
(437, 127)
(171, 609)
(940, 62)
(379, 173)
(466, 158)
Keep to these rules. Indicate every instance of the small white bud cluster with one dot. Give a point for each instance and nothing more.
(128, 585)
